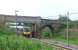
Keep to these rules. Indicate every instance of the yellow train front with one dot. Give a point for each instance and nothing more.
(27, 32)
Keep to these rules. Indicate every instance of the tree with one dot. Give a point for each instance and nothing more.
(63, 18)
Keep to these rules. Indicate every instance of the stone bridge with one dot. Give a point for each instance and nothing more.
(37, 22)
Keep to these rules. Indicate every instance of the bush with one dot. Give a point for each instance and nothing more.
(46, 35)
(5, 31)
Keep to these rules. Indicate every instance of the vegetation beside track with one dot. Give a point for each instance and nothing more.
(10, 41)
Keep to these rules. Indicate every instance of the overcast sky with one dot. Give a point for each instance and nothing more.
(44, 8)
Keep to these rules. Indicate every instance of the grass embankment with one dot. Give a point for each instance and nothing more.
(10, 41)
(73, 37)
(62, 36)
(20, 43)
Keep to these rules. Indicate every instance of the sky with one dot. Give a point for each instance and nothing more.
(44, 8)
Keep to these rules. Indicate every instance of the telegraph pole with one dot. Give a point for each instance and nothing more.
(68, 14)
(68, 28)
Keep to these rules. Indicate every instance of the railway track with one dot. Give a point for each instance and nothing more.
(58, 45)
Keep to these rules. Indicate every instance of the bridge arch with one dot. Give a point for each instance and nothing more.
(51, 29)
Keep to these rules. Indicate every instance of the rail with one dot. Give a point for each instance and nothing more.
(58, 45)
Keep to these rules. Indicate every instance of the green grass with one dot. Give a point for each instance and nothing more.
(64, 40)
(10, 41)
(73, 37)
(20, 43)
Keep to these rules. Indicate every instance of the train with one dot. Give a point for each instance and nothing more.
(27, 31)
(22, 30)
